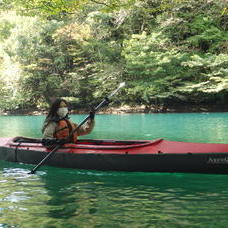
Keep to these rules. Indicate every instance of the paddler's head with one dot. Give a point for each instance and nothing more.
(63, 109)
(59, 108)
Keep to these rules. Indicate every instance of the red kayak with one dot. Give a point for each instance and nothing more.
(118, 155)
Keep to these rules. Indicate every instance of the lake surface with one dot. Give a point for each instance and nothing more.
(57, 197)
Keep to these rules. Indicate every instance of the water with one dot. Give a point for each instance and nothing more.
(192, 127)
(56, 197)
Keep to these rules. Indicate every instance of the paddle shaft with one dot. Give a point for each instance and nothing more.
(44, 159)
(103, 103)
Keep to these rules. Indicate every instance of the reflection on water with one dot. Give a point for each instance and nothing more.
(57, 197)
(77, 198)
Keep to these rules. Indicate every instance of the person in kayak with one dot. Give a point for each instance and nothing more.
(57, 127)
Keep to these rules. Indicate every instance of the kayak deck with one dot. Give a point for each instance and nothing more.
(118, 155)
(157, 146)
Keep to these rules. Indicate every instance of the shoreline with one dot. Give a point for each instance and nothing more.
(126, 109)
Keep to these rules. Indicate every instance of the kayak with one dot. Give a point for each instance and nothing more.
(157, 155)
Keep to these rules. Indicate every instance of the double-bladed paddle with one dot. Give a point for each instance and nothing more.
(103, 103)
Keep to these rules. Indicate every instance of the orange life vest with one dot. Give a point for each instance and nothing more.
(64, 129)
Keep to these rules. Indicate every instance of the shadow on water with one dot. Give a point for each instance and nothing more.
(117, 199)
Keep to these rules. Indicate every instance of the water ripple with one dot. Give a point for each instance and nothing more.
(55, 197)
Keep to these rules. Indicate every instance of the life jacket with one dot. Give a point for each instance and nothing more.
(63, 130)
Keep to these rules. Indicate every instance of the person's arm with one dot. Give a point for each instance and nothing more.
(87, 128)
(49, 130)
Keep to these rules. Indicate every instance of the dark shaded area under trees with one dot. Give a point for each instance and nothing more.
(173, 54)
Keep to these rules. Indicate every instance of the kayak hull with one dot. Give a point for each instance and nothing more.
(141, 156)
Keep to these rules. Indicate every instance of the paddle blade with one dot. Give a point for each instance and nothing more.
(121, 85)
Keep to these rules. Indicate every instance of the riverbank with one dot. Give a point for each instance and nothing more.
(167, 109)
(126, 109)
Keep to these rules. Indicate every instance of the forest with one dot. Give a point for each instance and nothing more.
(172, 54)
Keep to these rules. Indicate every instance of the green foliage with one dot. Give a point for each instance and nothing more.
(5, 29)
(211, 71)
(10, 97)
(58, 9)
(154, 66)
(208, 37)
(166, 51)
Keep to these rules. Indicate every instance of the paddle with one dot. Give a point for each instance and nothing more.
(103, 103)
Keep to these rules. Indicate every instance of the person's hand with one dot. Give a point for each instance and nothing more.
(61, 141)
(51, 142)
(92, 115)
(48, 142)
(107, 101)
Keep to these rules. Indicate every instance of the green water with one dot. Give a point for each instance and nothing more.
(56, 197)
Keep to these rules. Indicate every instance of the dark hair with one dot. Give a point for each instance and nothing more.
(52, 114)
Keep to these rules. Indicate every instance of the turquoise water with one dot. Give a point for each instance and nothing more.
(56, 197)
(195, 127)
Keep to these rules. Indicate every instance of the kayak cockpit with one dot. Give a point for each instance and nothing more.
(86, 143)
